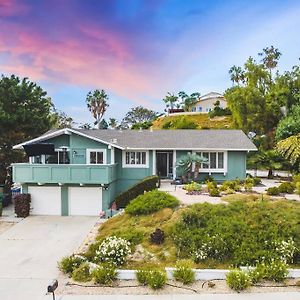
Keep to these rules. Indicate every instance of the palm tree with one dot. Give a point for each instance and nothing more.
(113, 123)
(186, 163)
(188, 100)
(236, 75)
(96, 102)
(289, 148)
(170, 99)
(270, 58)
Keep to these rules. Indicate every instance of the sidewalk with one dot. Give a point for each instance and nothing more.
(244, 296)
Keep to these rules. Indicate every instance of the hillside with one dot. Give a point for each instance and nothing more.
(195, 121)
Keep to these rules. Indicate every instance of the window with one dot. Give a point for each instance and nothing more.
(135, 159)
(60, 156)
(96, 156)
(215, 160)
(200, 108)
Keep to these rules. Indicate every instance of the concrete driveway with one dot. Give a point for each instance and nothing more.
(29, 252)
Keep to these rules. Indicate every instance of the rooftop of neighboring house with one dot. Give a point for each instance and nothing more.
(211, 95)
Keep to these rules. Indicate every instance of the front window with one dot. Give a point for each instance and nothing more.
(60, 157)
(215, 160)
(135, 158)
(95, 156)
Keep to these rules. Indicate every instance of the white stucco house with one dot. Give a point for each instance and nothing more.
(206, 102)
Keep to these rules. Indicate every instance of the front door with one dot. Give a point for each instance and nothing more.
(164, 163)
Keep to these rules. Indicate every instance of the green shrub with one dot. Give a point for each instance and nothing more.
(141, 276)
(296, 178)
(273, 270)
(214, 192)
(240, 232)
(113, 250)
(238, 280)
(82, 273)
(132, 235)
(69, 263)
(256, 181)
(231, 184)
(104, 274)
(151, 202)
(286, 187)
(193, 186)
(228, 191)
(273, 191)
(147, 184)
(184, 272)
(298, 188)
(248, 186)
(276, 270)
(156, 279)
(211, 185)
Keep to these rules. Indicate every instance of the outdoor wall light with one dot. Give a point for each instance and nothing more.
(52, 287)
(60, 184)
(40, 183)
(81, 184)
(74, 152)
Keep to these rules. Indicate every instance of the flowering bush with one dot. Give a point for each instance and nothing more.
(70, 263)
(211, 246)
(285, 249)
(238, 280)
(104, 274)
(114, 250)
(184, 272)
(193, 187)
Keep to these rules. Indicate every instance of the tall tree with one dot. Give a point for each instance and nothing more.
(270, 57)
(25, 113)
(236, 75)
(171, 100)
(138, 115)
(96, 102)
(61, 119)
(103, 124)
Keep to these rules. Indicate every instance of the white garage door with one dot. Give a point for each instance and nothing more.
(45, 200)
(85, 201)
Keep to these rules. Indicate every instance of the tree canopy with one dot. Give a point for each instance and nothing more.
(25, 113)
(139, 115)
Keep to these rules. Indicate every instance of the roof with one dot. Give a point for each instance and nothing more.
(211, 95)
(183, 139)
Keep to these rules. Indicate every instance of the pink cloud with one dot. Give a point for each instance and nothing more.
(95, 58)
(10, 8)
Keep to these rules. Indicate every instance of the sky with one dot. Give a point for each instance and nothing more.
(138, 50)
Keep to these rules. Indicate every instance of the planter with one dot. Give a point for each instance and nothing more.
(200, 274)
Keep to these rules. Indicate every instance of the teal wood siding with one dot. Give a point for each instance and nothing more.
(60, 141)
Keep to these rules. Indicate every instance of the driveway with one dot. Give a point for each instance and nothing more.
(29, 252)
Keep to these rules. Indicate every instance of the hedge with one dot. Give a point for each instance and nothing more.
(147, 184)
(22, 205)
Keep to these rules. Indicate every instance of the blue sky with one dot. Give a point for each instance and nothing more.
(139, 50)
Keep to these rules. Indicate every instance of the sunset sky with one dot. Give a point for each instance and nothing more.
(139, 50)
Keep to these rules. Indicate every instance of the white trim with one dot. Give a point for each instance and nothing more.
(215, 170)
(174, 164)
(124, 165)
(60, 132)
(187, 149)
(154, 162)
(88, 152)
(112, 155)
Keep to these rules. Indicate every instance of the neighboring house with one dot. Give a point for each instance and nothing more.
(206, 103)
(80, 171)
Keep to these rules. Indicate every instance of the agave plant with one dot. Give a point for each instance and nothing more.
(186, 163)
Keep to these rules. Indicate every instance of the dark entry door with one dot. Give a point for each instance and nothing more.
(162, 164)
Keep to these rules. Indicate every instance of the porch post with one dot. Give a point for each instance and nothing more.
(112, 155)
(174, 164)
(153, 162)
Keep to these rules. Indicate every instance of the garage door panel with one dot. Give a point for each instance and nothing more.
(45, 200)
(85, 201)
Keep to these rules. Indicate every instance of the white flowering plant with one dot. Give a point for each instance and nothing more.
(285, 249)
(113, 250)
(238, 280)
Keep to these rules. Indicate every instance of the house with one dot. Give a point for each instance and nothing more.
(80, 171)
(206, 103)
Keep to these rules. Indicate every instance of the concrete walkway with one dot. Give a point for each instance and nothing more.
(235, 296)
(29, 252)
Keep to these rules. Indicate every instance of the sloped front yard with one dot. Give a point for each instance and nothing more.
(246, 231)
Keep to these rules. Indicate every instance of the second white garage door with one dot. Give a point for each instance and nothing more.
(85, 201)
(45, 200)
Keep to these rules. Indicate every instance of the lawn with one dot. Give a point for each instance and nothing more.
(244, 231)
(201, 120)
